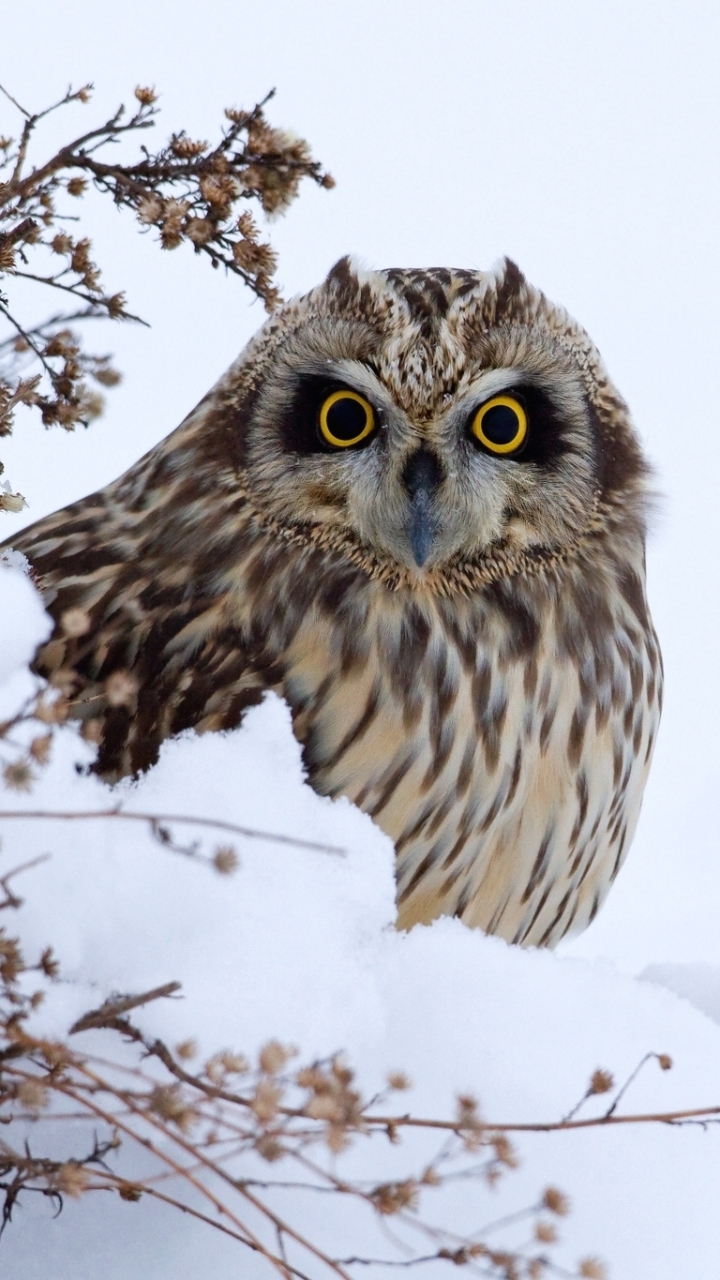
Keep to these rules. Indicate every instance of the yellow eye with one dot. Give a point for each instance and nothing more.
(345, 419)
(501, 425)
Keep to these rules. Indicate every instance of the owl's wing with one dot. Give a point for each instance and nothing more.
(139, 580)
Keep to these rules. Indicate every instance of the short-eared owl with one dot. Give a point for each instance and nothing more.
(414, 507)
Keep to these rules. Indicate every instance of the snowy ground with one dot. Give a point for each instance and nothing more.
(299, 945)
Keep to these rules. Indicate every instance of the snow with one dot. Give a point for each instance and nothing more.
(299, 945)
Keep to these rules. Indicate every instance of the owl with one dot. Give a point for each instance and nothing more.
(415, 508)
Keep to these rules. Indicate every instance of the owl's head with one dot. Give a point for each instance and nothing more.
(423, 422)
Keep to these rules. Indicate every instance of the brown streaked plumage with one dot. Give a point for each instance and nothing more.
(462, 636)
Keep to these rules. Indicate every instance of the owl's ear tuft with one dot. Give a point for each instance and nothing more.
(342, 279)
(509, 288)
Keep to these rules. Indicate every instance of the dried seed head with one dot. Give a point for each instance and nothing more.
(185, 148)
(40, 748)
(129, 1191)
(200, 230)
(149, 209)
(107, 376)
(115, 306)
(145, 95)
(273, 1057)
(71, 1180)
(61, 243)
(665, 1061)
(186, 1050)
(601, 1081)
(225, 860)
(399, 1081)
(391, 1197)
(592, 1269)
(48, 964)
(545, 1232)
(269, 1148)
(18, 776)
(168, 1102)
(324, 1107)
(266, 1101)
(555, 1202)
(504, 1151)
(33, 1094)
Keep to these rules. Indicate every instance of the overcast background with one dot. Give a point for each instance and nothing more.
(581, 139)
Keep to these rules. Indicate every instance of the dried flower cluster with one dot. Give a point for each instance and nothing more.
(189, 190)
(235, 1135)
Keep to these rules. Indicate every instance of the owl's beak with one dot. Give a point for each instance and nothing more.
(422, 477)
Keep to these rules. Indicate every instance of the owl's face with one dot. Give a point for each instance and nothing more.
(431, 418)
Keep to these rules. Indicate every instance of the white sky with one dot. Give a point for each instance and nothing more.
(581, 139)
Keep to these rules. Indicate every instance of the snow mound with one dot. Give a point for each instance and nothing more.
(300, 945)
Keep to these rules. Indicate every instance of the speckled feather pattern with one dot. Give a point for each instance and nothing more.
(496, 712)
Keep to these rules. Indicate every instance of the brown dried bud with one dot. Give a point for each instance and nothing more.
(149, 209)
(18, 776)
(225, 860)
(40, 748)
(200, 230)
(61, 243)
(76, 186)
(555, 1202)
(48, 964)
(70, 1180)
(323, 1107)
(107, 376)
(145, 95)
(592, 1269)
(665, 1061)
(398, 1080)
(273, 1056)
(600, 1082)
(129, 1191)
(32, 1094)
(186, 1050)
(391, 1197)
(266, 1101)
(115, 306)
(235, 1064)
(185, 148)
(167, 1101)
(269, 1148)
(545, 1232)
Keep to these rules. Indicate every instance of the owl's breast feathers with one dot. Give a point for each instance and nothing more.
(501, 736)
